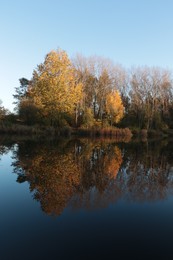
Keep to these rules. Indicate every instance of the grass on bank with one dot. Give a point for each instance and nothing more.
(16, 129)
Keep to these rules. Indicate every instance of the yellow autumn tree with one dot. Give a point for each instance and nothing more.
(55, 89)
(114, 107)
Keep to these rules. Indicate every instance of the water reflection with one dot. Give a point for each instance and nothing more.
(149, 175)
(56, 173)
(5, 146)
(90, 174)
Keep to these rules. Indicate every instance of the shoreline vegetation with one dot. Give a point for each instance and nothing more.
(91, 97)
(42, 131)
(46, 132)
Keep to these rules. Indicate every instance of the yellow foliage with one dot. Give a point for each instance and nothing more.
(54, 86)
(114, 163)
(114, 106)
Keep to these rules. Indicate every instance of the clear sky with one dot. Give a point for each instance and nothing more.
(130, 32)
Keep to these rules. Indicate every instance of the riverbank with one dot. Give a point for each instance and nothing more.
(93, 132)
(24, 130)
(144, 133)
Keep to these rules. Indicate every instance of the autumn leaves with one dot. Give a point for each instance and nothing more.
(62, 94)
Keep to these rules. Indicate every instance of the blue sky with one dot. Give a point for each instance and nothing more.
(130, 32)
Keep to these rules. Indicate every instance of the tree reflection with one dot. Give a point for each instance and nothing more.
(56, 173)
(148, 174)
(5, 146)
(102, 166)
(85, 173)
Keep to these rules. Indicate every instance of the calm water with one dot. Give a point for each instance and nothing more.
(78, 199)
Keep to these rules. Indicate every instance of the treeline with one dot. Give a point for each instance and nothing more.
(94, 92)
(60, 93)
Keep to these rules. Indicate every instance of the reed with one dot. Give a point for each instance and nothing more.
(105, 132)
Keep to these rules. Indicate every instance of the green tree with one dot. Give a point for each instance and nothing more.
(3, 111)
(27, 111)
(21, 92)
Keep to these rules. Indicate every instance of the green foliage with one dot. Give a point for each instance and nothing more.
(21, 92)
(28, 112)
(3, 112)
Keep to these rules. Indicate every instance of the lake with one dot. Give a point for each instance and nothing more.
(82, 199)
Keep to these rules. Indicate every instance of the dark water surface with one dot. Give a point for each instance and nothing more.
(82, 199)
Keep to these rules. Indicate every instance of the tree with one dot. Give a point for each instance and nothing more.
(55, 89)
(3, 111)
(114, 107)
(151, 95)
(21, 91)
(99, 77)
(27, 111)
